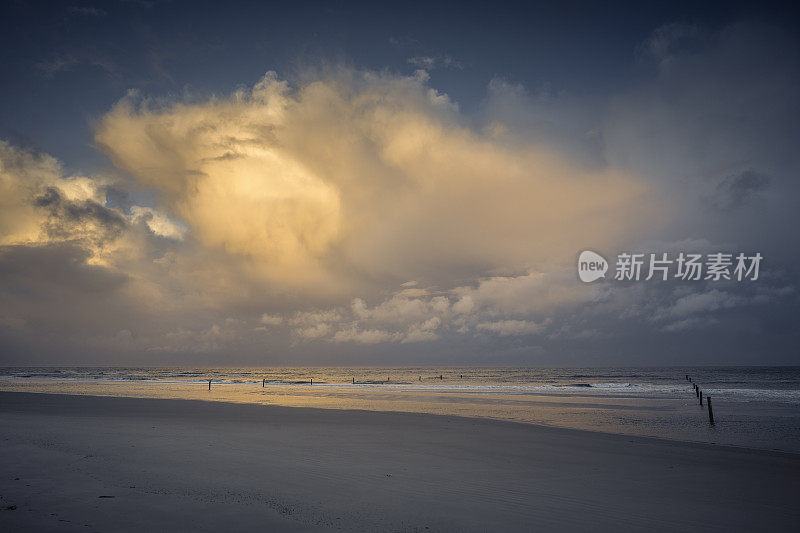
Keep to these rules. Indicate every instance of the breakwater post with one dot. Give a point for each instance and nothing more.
(710, 411)
(699, 394)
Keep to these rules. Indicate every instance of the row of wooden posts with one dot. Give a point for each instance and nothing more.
(697, 390)
(699, 393)
(311, 380)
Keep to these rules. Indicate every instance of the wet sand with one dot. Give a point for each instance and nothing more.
(185, 465)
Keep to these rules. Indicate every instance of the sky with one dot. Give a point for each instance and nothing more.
(204, 183)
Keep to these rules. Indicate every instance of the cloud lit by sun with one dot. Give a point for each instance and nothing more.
(364, 170)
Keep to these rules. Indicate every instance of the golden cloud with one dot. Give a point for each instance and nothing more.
(363, 175)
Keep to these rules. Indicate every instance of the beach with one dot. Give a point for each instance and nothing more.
(756, 407)
(85, 463)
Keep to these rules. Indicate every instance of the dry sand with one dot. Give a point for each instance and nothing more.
(180, 465)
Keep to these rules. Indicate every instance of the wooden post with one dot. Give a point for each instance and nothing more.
(263, 382)
(312, 381)
(687, 377)
(209, 384)
(696, 391)
(354, 381)
(701, 397)
(710, 412)
(440, 376)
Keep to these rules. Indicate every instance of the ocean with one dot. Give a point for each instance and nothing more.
(756, 407)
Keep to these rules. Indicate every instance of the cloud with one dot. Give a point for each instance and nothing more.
(39, 206)
(690, 323)
(670, 41)
(401, 318)
(84, 219)
(49, 68)
(511, 327)
(68, 62)
(434, 62)
(271, 320)
(288, 217)
(427, 315)
(51, 294)
(360, 172)
(714, 126)
(159, 223)
(366, 336)
(86, 11)
(404, 42)
(738, 189)
(313, 332)
(308, 318)
(75, 271)
(703, 302)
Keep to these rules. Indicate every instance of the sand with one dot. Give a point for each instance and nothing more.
(182, 465)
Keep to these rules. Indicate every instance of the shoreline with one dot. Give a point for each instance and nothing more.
(759, 425)
(203, 465)
(289, 408)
